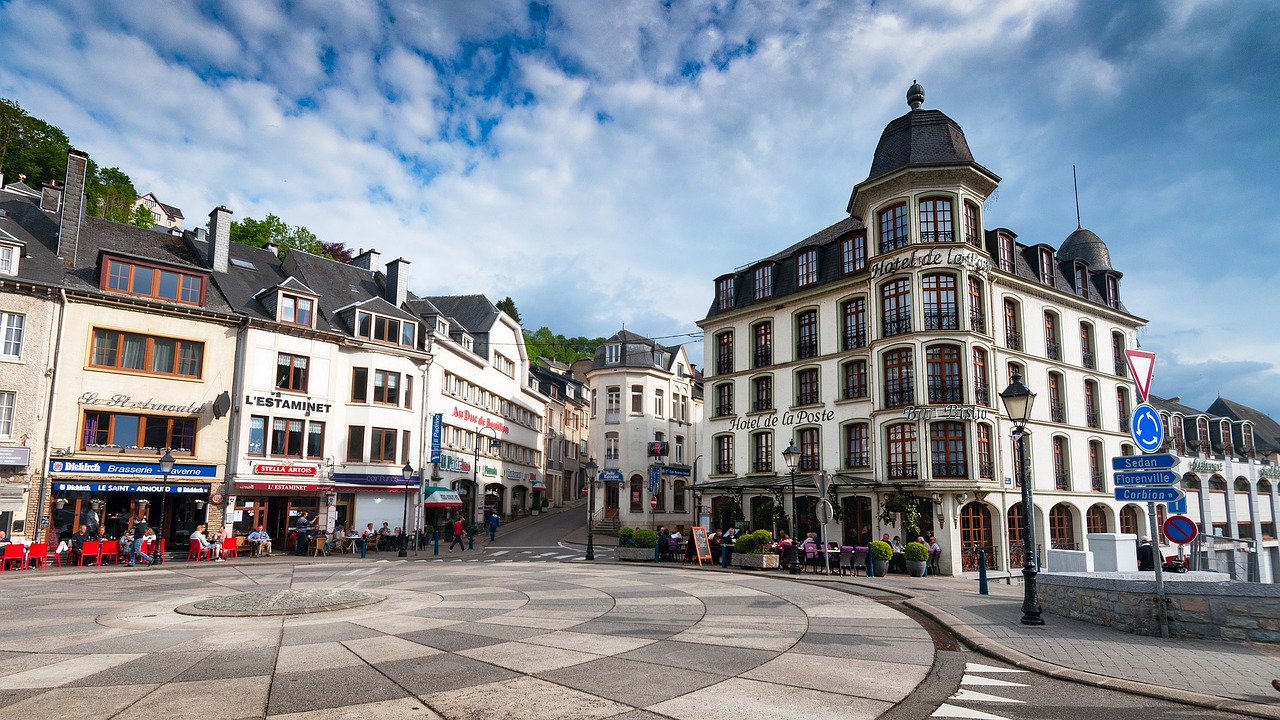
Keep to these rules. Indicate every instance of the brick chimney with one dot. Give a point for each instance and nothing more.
(397, 288)
(219, 239)
(367, 259)
(72, 207)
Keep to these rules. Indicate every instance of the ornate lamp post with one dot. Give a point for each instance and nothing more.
(792, 456)
(166, 467)
(1017, 399)
(406, 472)
(591, 468)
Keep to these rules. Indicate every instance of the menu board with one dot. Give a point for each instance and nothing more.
(701, 545)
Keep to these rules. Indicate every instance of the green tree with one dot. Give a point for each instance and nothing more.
(142, 217)
(508, 306)
(273, 230)
(111, 193)
(30, 148)
(543, 343)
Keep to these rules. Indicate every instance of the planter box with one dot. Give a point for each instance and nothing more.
(756, 562)
(916, 568)
(633, 554)
(882, 567)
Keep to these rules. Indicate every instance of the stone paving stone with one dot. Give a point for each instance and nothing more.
(631, 682)
(651, 631)
(236, 698)
(82, 703)
(10, 697)
(64, 671)
(313, 687)
(223, 664)
(528, 659)
(525, 698)
(403, 709)
(160, 667)
(323, 632)
(863, 648)
(445, 671)
(449, 640)
(589, 643)
(892, 681)
(713, 659)
(742, 698)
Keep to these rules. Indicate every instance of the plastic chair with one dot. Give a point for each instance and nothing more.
(846, 560)
(14, 552)
(199, 553)
(230, 548)
(811, 557)
(38, 555)
(90, 550)
(859, 559)
(110, 548)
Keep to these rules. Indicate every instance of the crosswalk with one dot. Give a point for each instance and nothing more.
(975, 676)
(513, 555)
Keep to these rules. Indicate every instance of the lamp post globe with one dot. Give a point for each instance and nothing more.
(591, 467)
(1017, 400)
(792, 457)
(407, 473)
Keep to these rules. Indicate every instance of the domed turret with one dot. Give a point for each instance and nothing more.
(1085, 246)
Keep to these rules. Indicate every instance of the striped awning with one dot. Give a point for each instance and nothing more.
(441, 497)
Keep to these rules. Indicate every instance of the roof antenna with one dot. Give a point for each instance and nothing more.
(1075, 186)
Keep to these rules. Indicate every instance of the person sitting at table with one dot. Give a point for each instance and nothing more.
(77, 541)
(664, 543)
(198, 536)
(334, 541)
(4, 539)
(261, 542)
(899, 561)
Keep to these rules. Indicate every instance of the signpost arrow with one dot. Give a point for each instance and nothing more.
(1160, 478)
(1149, 494)
(1162, 461)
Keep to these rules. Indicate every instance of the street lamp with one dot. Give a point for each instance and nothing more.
(166, 467)
(792, 456)
(407, 473)
(475, 474)
(1017, 399)
(591, 468)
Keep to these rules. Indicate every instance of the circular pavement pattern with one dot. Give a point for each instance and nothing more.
(465, 642)
(280, 602)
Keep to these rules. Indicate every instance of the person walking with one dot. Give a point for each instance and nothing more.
(458, 530)
(135, 552)
(493, 526)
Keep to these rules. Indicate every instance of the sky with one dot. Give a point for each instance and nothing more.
(602, 162)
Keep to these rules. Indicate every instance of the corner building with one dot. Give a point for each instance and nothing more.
(879, 347)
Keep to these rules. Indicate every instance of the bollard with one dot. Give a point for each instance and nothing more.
(364, 544)
(471, 543)
(725, 552)
(435, 536)
(657, 550)
(982, 572)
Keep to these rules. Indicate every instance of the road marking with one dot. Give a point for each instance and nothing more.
(500, 552)
(565, 557)
(978, 667)
(947, 710)
(990, 682)
(975, 696)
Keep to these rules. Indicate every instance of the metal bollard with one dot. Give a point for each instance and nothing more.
(436, 537)
(982, 572)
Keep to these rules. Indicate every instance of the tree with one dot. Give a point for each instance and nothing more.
(142, 217)
(546, 344)
(111, 193)
(29, 147)
(508, 306)
(273, 230)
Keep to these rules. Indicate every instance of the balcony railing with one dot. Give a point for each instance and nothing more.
(724, 468)
(941, 320)
(970, 558)
(765, 404)
(978, 322)
(1013, 339)
(949, 394)
(854, 391)
(855, 338)
(941, 236)
(807, 399)
(1088, 360)
(986, 470)
(1122, 368)
(809, 464)
(1124, 422)
(1060, 480)
(612, 417)
(894, 243)
(762, 466)
(1053, 350)
(950, 469)
(724, 365)
(762, 356)
(806, 348)
(1092, 419)
(899, 396)
(981, 394)
(897, 324)
(1057, 413)
(1095, 482)
(858, 459)
(903, 470)
(722, 410)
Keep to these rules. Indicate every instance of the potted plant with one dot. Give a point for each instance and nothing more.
(896, 505)
(624, 536)
(755, 550)
(640, 547)
(881, 552)
(917, 555)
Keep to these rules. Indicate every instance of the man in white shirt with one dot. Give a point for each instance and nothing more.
(199, 536)
(261, 542)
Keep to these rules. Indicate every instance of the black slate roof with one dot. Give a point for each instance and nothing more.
(25, 222)
(636, 351)
(920, 137)
(1266, 431)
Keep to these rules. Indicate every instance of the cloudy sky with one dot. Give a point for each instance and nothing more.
(602, 162)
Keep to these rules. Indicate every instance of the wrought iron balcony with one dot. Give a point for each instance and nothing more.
(978, 322)
(940, 236)
(950, 469)
(949, 394)
(855, 338)
(724, 468)
(762, 356)
(1060, 480)
(1057, 413)
(897, 324)
(1053, 350)
(1092, 419)
(903, 470)
(807, 399)
(898, 396)
(1122, 368)
(762, 466)
(722, 410)
(1095, 482)
(855, 391)
(806, 348)
(981, 393)
(766, 404)
(724, 365)
(1013, 339)
(894, 243)
(941, 320)
(1088, 360)
(858, 459)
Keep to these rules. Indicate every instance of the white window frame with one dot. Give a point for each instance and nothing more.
(12, 329)
(8, 406)
(9, 257)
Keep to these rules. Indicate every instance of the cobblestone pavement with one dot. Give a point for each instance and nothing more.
(536, 640)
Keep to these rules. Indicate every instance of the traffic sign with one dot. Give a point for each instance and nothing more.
(653, 503)
(1157, 478)
(824, 511)
(823, 481)
(1149, 494)
(1177, 506)
(1162, 461)
(1141, 364)
(1180, 529)
(1146, 428)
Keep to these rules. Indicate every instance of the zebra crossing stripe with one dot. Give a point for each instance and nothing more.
(565, 557)
(947, 710)
(499, 552)
(990, 682)
(975, 696)
(979, 667)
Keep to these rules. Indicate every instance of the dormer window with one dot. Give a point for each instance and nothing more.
(1082, 280)
(763, 282)
(1113, 293)
(612, 354)
(853, 254)
(1006, 253)
(1046, 266)
(9, 256)
(297, 310)
(384, 329)
(724, 293)
(134, 278)
(807, 268)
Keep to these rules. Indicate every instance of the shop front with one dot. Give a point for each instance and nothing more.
(277, 497)
(439, 505)
(379, 499)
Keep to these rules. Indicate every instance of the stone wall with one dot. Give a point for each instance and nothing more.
(1200, 605)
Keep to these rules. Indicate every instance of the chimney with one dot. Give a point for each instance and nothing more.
(50, 197)
(72, 207)
(219, 239)
(397, 288)
(367, 259)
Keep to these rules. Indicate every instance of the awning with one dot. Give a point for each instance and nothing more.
(441, 497)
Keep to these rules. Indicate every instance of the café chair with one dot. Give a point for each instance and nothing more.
(90, 550)
(14, 553)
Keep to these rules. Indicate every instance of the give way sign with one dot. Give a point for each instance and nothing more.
(1141, 364)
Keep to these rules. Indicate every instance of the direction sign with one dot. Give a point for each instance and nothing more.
(1146, 428)
(1162, 461)
(1149, 494)
(1159, 478)
(1180, 529)
(1141, 364)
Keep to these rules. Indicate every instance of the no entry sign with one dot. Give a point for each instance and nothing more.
(1180, 529)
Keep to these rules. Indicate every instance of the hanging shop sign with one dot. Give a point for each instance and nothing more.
(945, 412)
(126, 402)
(677, 472)
(301, 404)
(278, 469)
(100, 467)
(932, 258)
(610, 476)
(93, 487)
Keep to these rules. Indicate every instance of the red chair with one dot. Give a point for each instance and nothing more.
(38, 555)
(14, 552)
(198, 553)
(230, 549)
(90, 549)
(110, 548)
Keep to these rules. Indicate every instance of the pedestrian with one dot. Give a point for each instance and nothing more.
(493, 526)
(136, 555)
(458, 530)
(302, 526)
(1146, 555)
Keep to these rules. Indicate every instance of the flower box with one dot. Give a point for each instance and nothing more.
(633, 554)
(756, 562)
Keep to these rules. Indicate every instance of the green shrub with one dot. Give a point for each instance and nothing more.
(755, 543)
(624, 535)
(644, 538)
(916, 551)
(881, 550)
(544, 502)
(429, 530)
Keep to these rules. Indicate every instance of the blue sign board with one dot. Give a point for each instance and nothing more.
(113, 467)
(1163, 478)
(610, 476)
(95, 487)
(370, 479)
(1180, 529)
(655, 477)
(437, 427)
(1162, 461)
(678, 472)
(1146, 428)
(1149, 494)
(1178, 506)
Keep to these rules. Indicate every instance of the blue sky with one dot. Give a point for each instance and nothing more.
(602, 162)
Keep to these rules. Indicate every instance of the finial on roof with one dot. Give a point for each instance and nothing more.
(915, 95)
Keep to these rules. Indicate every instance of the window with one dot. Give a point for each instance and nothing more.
(133, 432)
(291, 372)
(1046, 266)
(895, 301)
(296, 310)
(659, 403)
(986, 468)
(8, 402)
(1113, 292)
(899, 378)
(152, 282)
(1087, 355)
(12, 325)
(724, 399)
(806, 334)
(981, 386)
(977, 308)
(613, 404)
(386, 387)
(762, 452)
(724, 293)
(1061, 528)
(853, 254)
(971, 225)
(355, 444)
(1012, 334)
(9, 260)
(762, 393)
(764, 282)
(724, 353)
(677, 502)
(724, 454)
(359, 384)
(857, 450)
(1082, 280)
(853, 376)
(941, 311)
(902, 451)
(1060, 479)
(935, 220)
(763, 335)
(1005, 253)
(637, 399)
(1095, 467)
(288, 437)
(146, 354)
(612, 354)
(947, 450)
(382, 445)
(853, 315)
(611, 446)
(810, 449)
(1052, 345)
(1122, 408)
(942, 366)
(807, 387)
(807, 268)
(893, 228)
(1057, 411)
(1095, 519)
(384, 329)
(1091, 404)
(1117, 355)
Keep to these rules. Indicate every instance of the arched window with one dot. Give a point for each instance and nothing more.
(1061, 481)
(986, 468)
(637, 494)
(972, 228)
(762, 393)
(947, 450)
(1052, 343)
(1091, 415)
(975, 532)
(893, 228)
(899, 378)
(1012, 325)
(724, 399)
(1005, 253)
(810, 449)
(724, 454)
(853, 317)
(853, 374)
(1122, 409)
(1088, 356)
(724, 353)
(935, 220)
(1117, 354)
(1096, 519)
(977, 308)
(1129, 519)
(942, 366)
(981, 385)
(857, 449)
(762, 452)
(807, 386)
(806, 334)
(1057, 409)
(941, 308)
(762, 336)
(1096, 483)
(895, 303)
(1062, 532)
(902, 451)
(678, 489)
(1014, 520)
